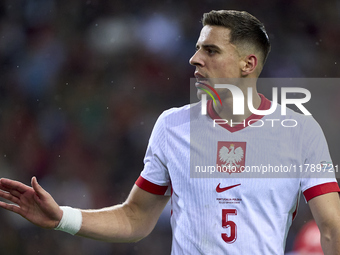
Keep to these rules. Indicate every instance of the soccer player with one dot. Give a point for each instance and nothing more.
(224, 215)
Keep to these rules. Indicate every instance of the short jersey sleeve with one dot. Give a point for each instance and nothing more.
(318, 176)
(155, 177)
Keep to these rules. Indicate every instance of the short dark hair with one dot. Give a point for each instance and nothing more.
(244, 28)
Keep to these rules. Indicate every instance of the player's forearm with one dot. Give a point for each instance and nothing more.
(114, 224)
(331, 243)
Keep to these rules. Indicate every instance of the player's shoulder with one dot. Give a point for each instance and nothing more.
(305, 119)
(305, 122)
(176, 111)
(178, 115)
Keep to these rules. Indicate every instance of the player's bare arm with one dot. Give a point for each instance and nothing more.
(326, 212)
(128, 222)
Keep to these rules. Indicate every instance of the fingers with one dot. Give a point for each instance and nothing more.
(2, 187)
(9, 190)
(9, 197)
(7, 185)
(37, 188)
(12, 192)
(10, 207)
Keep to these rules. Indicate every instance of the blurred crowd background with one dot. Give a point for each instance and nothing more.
(82, 83)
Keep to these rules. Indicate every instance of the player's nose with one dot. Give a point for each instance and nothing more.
(196, 59)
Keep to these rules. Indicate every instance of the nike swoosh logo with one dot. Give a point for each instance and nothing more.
(219, 189)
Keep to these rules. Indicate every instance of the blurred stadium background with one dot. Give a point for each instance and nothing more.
(83, 81)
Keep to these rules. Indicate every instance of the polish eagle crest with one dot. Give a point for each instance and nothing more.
(231, 157)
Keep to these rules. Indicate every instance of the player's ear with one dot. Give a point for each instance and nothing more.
(249, 64)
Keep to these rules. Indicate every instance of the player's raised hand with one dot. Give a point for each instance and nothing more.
(33, 203)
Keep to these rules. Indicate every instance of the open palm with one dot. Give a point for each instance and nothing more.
(32, 203)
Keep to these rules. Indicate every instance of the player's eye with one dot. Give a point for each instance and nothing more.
(211, 51)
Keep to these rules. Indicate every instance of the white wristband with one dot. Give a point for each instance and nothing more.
(71, 220)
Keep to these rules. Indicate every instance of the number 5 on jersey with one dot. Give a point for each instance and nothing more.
(229, 224)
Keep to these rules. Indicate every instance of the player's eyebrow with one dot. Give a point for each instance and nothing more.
(208, 46)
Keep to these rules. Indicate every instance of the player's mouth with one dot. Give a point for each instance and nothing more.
(201, 80)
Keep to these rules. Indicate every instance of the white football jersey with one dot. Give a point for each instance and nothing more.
(234, 190)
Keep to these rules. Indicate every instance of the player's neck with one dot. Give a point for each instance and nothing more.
(225, 111)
